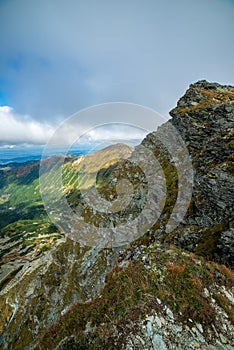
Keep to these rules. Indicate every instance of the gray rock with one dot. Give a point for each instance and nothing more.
(170, 314)
(158, 343)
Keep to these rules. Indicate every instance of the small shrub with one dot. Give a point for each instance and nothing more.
(176, 269)
(196, 283)
(227, 272)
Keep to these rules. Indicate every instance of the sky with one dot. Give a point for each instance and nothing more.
(58, 57)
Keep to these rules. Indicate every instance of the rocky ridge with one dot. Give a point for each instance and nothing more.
(152, 294)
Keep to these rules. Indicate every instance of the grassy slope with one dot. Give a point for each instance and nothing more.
(175, 277)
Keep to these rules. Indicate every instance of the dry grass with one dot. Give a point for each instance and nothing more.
(197, 284)
(211, 98)
(175, 269)
(226, 305)
(227, 272)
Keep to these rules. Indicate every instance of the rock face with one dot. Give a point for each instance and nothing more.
(167, 289)
(204, 117)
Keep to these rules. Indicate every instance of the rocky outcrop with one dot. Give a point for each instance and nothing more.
(204, 117)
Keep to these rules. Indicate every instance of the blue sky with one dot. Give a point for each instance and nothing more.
(58, 57)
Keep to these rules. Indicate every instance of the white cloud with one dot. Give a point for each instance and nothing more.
(22, 129)
(112, 133)
(18, 129)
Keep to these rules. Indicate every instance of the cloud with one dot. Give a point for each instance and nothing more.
(113, 132)
(22, 129)
(18, 129)
(58, 57)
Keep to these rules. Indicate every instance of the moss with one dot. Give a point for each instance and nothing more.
(210, 237)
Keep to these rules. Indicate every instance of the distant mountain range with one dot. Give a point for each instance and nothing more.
(21, 154)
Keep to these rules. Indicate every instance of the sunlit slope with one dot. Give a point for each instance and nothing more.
(25, 228)
(81, 173)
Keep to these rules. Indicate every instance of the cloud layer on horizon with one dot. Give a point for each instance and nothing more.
(23, 130)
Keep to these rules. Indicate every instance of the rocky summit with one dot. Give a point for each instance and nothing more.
(170, 285)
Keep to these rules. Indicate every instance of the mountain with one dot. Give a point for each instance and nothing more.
(25, 229)
(168, 284)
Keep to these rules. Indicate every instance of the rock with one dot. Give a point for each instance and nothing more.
(158, 321)
(177, 329)
(207, 129)
(170, 314)
(195, 344)
(149, 328)
(67, 343)
(199, 327)
(222, 338)
(206, 293)
(225, 247)
(158, 342)
(140, 340)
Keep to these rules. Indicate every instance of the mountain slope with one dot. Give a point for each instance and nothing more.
(25, 229)
(162, 291)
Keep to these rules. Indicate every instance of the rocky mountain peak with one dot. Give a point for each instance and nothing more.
(206, 96)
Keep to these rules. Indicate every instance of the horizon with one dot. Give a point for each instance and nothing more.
(22, 153)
